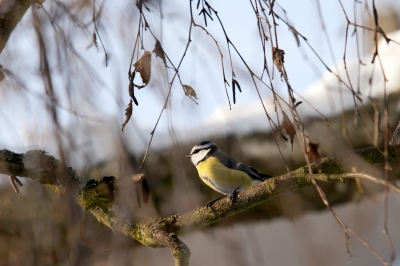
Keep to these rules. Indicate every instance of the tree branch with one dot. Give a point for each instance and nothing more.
(98, 197)
(13, 12)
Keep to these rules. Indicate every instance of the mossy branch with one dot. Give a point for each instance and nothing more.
(99, 197)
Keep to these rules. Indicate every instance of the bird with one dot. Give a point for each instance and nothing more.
(222, 172)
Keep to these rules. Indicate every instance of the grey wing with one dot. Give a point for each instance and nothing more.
(232, 163)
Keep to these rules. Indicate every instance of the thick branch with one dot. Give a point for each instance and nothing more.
(98, 197)
(12, 12)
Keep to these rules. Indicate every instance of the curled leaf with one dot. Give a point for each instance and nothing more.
(128, 114)
(234, 84)
(312, 150)
(159, 51)
(288, 127)
(143, 66)
(190, 91)
(278, 56)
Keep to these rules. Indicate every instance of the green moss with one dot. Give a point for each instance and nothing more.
(302, 181)
(47, 177)
(97, 197)
(329, 166)
(13, 162)
(60, 191)
(143, 233)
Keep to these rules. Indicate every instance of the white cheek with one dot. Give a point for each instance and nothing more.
(197, 157)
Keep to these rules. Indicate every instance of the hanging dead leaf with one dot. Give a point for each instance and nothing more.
(128, 114)
(143, 66)
(190, 91)
(278, 56)
(288, 127)
(234, 84)
(312, 150)
(159, 51)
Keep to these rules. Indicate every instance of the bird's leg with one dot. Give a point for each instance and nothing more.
(233, 196)
(208, 205)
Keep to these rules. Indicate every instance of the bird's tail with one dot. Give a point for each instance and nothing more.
(263, 176)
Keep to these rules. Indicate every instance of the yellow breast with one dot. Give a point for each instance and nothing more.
(222, 178)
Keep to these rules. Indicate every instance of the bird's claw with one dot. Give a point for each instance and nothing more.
(233, 196)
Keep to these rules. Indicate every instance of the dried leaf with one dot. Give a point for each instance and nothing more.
(234, 84)
(190, 91)
(278, 56)
(159, 51)
(288, 127)
(312, 150)
(128, 114)
(143, 66)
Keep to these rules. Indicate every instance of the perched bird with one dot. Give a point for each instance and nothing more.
(222, 172)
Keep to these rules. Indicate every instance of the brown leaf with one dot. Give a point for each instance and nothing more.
(143, 66)
(288, 127)
(190, 91)
(278, 56)
(159, 51)
(128, 114)
(312, 150)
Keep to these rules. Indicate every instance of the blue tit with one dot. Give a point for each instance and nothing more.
(222, 172)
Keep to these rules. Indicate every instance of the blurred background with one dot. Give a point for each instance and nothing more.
(62, 94)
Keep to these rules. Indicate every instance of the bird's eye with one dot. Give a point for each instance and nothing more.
(195, 151)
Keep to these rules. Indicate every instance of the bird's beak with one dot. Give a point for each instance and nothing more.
(188, 156)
